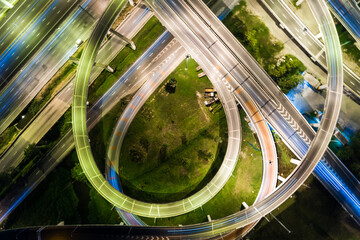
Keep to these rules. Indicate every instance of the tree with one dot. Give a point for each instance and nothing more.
(349, 155)
(287, 72)
(137, 153)
(183, 139)
(218, 139)
(5, 179)
(204, 155)
(145, 143)
(32, 152)
(170, 86)
(78, 174)
(163, 152)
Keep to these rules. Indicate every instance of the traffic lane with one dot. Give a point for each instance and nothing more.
(20, 12)
(250, 64)
(19, 49)
(349, 15)
(154, 80)
(269, 155)
(61, 37)
(15, 154)
(350, 81)
(296, 27)
(46, 62)
(225, 102)
(55, 110)
(293, 24)
(308, 164)
(194, 54)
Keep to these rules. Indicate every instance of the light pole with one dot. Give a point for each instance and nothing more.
(187, 59)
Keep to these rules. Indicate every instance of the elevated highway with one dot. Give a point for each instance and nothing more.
(270, 162)
(310, 43)
(251, 214)
(318, 146)
(35, 20)
(348, 13)
(51, 112)
(44, 63)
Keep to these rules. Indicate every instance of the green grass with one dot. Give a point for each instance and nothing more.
(182, 122)
(101, 211)
(7, 137)
(348, 43)
(253, 34)
(242, 186)
(143, 40)
(284, 156)
(92, 208)
(101, 133)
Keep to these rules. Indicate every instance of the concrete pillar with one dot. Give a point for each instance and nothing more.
(323, 87)
(209, 218)
(104, 66)
(122, 37)
(299, 2)
(107, 67)
(295, 161)
(340, 137)
(281, 179)
(245, 205)
(319, 53)
(131, 2)
(317, 125)
(319, 35)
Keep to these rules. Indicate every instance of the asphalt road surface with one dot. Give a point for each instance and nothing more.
(24, 28)
(45, 62)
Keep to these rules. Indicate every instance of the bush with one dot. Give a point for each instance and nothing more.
(137, 153)
(163, 153)
(145, 143)
(349, 154)
(287, 72)
(170, 86)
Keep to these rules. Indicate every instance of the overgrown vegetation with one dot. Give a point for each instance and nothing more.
(7, 138)
(253, 34)
(287, 72)
(51, 202)
(96, 203)
(32, 155)
(350, 156)
(348, 43)
(256, 38)
(65, 73)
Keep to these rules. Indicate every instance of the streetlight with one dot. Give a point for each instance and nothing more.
(187, 59)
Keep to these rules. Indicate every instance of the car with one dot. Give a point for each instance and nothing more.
(78, 42)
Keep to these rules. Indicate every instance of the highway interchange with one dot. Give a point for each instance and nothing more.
(213, 74)
(309, 42)
(45, 62)
(252, 213)
(36, 19)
